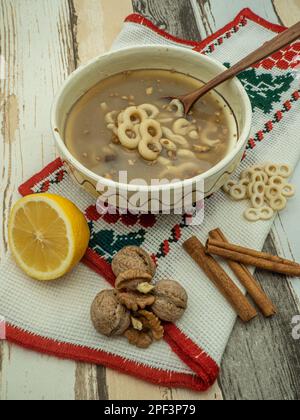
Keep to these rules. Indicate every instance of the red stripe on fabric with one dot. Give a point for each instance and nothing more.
(136, 18)
(244, 13)
(85, 354)
(27, 187)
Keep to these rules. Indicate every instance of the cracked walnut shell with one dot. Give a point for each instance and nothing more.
(131, 279)
(108, 315)
(170, 300)
(135, 301)
(133, 258)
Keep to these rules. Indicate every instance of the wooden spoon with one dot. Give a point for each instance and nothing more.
(267, 49)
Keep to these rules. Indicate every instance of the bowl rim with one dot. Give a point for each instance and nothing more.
(243, 137)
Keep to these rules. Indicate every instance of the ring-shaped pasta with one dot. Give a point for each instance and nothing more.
(164, 161)
(238, 192)
(257, 168)
(177, 171)
(113, 128)
(176, 106)
(129, 136)
(259, 188)
(182, 127)
(250, 191)
(151, 110)
(288, 190)
(228, 185)
(277, 180)
(179, 140)
(245, 182)
(266, 213)
(207, 132)
(151, 128)
(278, 203)
(186, 154)
(149, 149)
(246, 174)
(273, 191)
(272, 169)
(257, 201)
(134, 115)
(168, 145)
(285, 171)
(194, 135)
(252, 215)
(120, 119)
(111, 117)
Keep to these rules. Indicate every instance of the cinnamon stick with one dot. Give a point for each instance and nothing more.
(251, 257)
(220, 279)
(247, 280)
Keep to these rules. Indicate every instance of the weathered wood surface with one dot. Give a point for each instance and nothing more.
(43, 41)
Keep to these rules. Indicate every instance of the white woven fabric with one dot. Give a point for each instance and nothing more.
(61, 310)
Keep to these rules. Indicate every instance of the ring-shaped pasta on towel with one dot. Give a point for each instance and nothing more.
(252, 215)
(228, 185)
(129, 136)
(246, 174)
(285, 171)
(134, 115)
(277, 181)
(151, 110)
(149, 149)
(257, 201)
(266, 213)
(238, 192)
(278, 203)
(273, 191)
(259, 188)
(272, 169)
(288, 190)
(245, 182)
(151, 129)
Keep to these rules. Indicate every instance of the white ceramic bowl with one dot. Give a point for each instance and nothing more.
(151, 57)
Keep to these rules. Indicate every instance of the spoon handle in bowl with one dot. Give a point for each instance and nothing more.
(267, 49)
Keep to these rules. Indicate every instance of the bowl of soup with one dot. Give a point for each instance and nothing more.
(120, 135)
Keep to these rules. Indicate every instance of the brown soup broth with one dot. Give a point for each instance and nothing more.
(185, 149)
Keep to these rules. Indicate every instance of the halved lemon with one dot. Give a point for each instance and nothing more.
(48, 235)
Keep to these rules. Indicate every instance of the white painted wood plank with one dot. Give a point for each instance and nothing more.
(31, 376)
(35, 42)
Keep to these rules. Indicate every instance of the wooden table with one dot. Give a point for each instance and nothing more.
(42, 42)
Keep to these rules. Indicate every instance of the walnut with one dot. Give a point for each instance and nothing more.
(170, 300)
(133, 258)
(135, 301)
(152, 323)
(108, 315)
(130, 279)
(140, 339)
